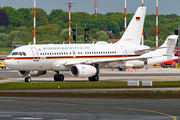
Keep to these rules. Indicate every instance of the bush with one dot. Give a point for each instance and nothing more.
(102, 36)
(17, 43)
(3, 37)
(49, 28)
(46, 42)
(2, 29)
(3, 44)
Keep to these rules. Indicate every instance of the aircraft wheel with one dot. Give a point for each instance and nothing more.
(94, 78)
(27, 79)
(90, 78)
(58, 77)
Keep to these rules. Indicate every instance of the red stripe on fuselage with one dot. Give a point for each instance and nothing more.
(70, 57)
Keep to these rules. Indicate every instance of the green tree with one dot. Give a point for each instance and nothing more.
(17, 43)
(46, 42)
(2, 29)
(41, 16)
(15, 17)
(49, 28)
(64, 17)
(3, 44)
(27, 15)
(102, 36)
(114, 27)
(60, 23)
(3, 37)
(101, 27)
(54, 14)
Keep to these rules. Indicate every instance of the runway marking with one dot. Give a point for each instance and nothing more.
(150, 111)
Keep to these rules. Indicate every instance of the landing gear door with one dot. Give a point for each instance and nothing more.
(35, 54)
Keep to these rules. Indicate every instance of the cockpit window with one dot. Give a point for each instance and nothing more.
(24, 53)
(19, 53)
(14, 53)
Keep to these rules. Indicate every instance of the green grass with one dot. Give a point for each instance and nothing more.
(10, 86)
(80, 85)
(5, 51)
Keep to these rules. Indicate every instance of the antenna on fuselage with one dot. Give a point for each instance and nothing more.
(34, 22)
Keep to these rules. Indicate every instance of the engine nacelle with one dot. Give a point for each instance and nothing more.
(32, 73)
(83, 71)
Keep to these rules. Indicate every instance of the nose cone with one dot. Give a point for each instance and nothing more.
(8, 63)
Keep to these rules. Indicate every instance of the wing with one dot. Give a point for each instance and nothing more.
(104, 62)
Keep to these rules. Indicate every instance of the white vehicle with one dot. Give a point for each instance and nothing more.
(163, 54)
(82, 60)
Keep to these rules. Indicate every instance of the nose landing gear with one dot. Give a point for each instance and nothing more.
(28, 78)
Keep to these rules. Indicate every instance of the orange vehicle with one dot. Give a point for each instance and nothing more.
(167, 64)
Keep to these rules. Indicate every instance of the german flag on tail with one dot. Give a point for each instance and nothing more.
(137, 18)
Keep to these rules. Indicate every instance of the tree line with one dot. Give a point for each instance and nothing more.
(16, 26)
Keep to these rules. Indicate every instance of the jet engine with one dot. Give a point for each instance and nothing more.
(32, 73)
(83, 70)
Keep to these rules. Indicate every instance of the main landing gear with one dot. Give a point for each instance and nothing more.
(95, 77)
(58, 77)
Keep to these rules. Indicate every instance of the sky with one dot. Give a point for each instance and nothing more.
(105, 6)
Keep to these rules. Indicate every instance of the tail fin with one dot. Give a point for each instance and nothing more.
(133, 33)
(167, 48)
(170, 43)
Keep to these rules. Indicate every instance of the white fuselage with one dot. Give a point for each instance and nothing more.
(53, 57)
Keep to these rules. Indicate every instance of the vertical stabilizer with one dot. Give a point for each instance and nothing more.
(166, 49)
(133, 33)
(170, 44)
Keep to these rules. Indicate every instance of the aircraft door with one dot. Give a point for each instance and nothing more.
(74, 54)
(35, 54)
(124, 50)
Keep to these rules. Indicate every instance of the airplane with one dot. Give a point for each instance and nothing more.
(82, 60)
(164, 53)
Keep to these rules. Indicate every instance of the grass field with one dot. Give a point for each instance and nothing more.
(78, 85)
(81, 85)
